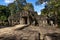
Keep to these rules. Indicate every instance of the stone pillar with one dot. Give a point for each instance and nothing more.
(28, 21)
(51, 22)
(12, 23)
(44, 23)
(22, 21)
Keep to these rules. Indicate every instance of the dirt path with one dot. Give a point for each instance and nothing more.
(10, 29)
(24, 30)
(43, 30)
(15, 33)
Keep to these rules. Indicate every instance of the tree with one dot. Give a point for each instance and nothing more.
(38, 2)
(28, 6)
(12, 8)
(3, 18)
(20, 5)
(53, 8)
(16, 6)
(23, 2)
(4, 13)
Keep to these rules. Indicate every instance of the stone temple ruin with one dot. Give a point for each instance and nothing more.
(30, 17)
(22, 18)
(38, 25)
(46, 21)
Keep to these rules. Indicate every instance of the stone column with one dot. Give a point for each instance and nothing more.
(22, 21)
(28, 21)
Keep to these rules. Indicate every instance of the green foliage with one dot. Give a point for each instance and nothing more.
(12, 8)
(19, 5)
(52, 8)
(16, 6)
(4, 11)
(3, 18)
(28, 6)
(40, 2)
(22, 2)
(4, 14)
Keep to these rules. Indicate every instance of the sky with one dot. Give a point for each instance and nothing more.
(36, 8)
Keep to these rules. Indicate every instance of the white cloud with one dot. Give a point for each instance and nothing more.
(39, 13)
(9, 1)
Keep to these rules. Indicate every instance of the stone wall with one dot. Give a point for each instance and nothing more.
(24, 17)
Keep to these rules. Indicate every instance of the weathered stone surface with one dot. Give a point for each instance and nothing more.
(24, 17)
(20, 35)
(52, 36)
(32, 32)
(24, 32)
(11, 33)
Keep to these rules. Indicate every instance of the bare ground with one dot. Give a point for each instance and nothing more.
(18, 31)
